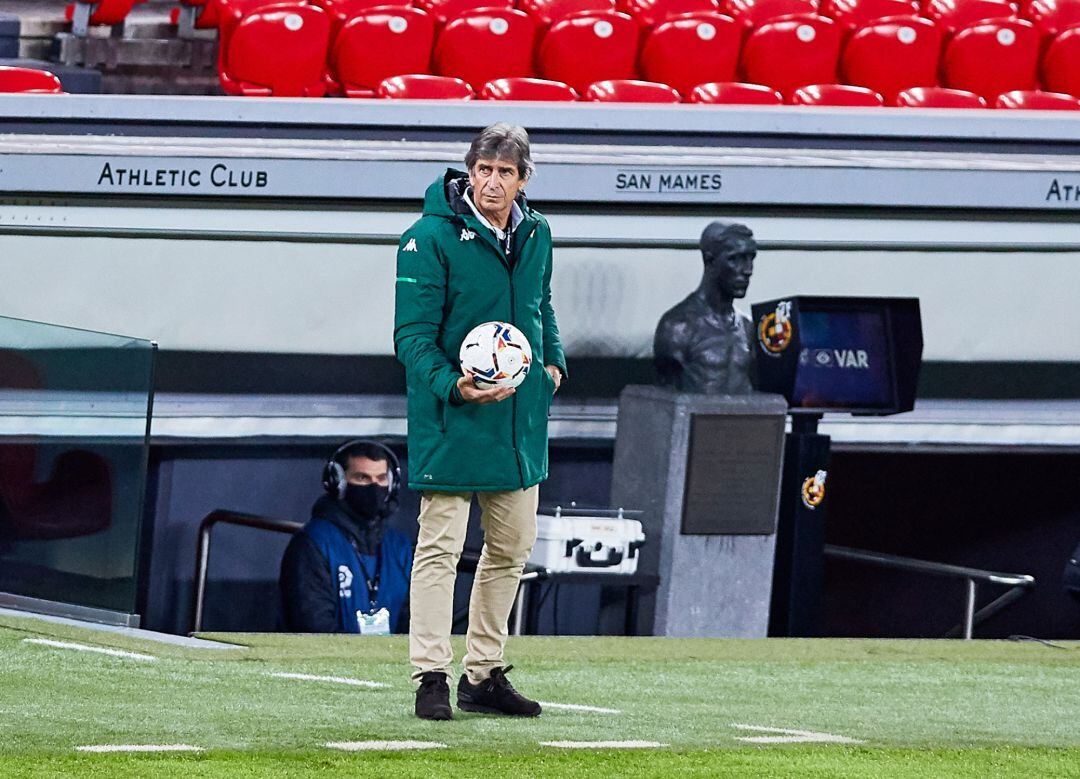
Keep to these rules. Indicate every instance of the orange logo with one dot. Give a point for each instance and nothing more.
(775, 330)
(813, 490)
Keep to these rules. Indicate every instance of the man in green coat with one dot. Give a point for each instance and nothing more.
(478, 254)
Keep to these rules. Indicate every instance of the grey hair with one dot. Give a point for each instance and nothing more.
(718, 236)
(502, 141)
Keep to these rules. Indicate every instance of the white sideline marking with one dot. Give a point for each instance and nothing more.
(576, 707)
(85, 648)
(366, 746)
(603, 744)
(331, 679)
(139, 748)
(790, 736)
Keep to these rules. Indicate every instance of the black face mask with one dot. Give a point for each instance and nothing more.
(367, 501)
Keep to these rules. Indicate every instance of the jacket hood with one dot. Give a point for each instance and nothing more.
(445, 197)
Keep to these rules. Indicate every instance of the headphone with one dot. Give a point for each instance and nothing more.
(333, 475)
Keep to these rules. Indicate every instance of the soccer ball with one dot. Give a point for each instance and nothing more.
(497, 353)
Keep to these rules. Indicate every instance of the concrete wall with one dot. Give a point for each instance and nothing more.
(990, 291)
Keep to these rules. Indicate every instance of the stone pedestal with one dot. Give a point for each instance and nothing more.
(706, 471)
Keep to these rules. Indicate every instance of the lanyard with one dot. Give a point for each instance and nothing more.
(371, 582)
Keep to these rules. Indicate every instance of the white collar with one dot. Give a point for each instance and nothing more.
(516, 216)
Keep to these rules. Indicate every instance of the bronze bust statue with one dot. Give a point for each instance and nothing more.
(703, 344)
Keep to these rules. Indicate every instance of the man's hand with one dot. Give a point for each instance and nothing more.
(470, 393)
(555, 374)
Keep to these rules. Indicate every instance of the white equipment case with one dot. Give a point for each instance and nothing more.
(587, 540)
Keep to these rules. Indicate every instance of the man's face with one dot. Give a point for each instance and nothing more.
(363, 471)
(732, 266)
(495, 184)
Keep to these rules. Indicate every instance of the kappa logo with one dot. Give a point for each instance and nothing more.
(344, 578)
(410, 246)
(467, 234)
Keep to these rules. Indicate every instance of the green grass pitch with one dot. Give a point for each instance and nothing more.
(916, 708)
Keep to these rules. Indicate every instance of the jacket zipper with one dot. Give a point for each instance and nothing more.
(513, 307)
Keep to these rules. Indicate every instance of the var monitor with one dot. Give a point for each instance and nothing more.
(839, 354)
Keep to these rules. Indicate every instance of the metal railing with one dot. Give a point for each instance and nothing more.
(1018, 583)
(202, 554)
(470, 558)
(468, 561)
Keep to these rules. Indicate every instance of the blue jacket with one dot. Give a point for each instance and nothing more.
(325, 569)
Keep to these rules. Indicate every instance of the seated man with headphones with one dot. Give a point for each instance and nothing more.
(345, 571)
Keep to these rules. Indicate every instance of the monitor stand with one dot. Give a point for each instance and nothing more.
(800, 535)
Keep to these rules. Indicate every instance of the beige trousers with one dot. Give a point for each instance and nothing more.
(509, 523)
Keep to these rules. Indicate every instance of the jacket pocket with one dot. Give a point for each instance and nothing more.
(440, 414)
(550, 385)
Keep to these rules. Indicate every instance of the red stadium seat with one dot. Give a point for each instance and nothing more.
(1034, 100)
(693, 48)
(445, 10)
(989, 58)
(754, 13)
(377, 44)
(791, 52)
(210, 14)
(346, 6)
(425, 87)
(29, 81)
(75, 499)
(101, 12)
(734, 93)
(275, 50)
(630, 91)
(649, 13)
(891, 55)
(205, 13)
(835, 95)
(1051, 17)
(230, 12)
(547, 12)
(853, 14)
(938, 97)
(17, 467)
(589, 47)
(1061, 63)
(527, 89)
(479, 46)
(954, 15)
(341, 11)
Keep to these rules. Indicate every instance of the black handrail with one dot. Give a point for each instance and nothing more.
(1018, 583)
(202, 554)
(467, 562)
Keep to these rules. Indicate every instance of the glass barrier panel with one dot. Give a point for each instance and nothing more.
(74, 426)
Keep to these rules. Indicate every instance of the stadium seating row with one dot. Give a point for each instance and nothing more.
(635, 91)
(1049, 16)
(349, 47)
(25, 80)
(299, 49)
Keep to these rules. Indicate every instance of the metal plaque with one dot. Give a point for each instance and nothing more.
(733, 474)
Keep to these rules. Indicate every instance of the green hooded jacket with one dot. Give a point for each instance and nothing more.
(452, 275)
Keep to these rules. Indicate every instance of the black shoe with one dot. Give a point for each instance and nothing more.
(433, 697)
(495, 695)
